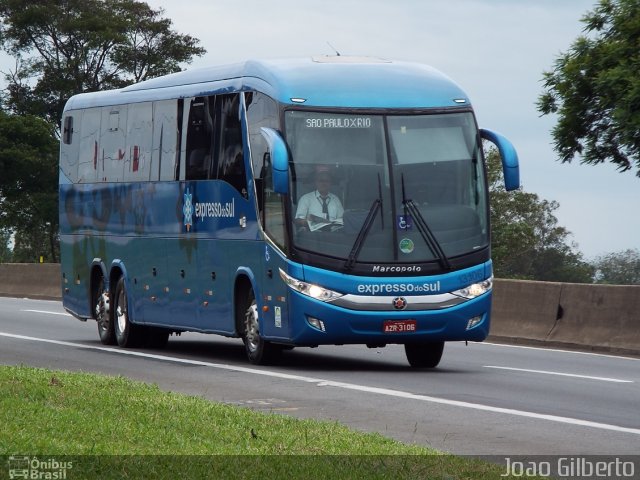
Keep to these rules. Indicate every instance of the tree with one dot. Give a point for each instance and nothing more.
(72, 46)
(5, 252)
(28, 186)
(594, 89)
(65, 47)
(620, 268)
(526, 240)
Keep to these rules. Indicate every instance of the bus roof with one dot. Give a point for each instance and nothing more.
(322, 81)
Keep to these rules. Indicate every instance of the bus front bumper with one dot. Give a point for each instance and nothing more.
(320, 323)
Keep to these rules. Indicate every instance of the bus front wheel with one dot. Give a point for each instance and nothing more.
(424, 355)
(259, 351)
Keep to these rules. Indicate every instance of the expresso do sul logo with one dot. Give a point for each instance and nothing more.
(187, 209)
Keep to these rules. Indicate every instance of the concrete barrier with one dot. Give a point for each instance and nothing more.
(582, 316)
(525, 310)
(604, 315)
(31, 280)
(603, 318)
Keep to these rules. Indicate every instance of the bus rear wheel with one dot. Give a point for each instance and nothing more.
(259, 351)
(126, 333)
(424, 355)
(101, 307)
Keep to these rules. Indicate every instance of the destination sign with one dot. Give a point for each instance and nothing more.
(338, 122)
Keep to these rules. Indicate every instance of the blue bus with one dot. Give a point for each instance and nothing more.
(289, 202)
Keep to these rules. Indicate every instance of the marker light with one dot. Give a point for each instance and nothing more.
(309, 289)
(315, 323)
(473, 322)
(476, 289)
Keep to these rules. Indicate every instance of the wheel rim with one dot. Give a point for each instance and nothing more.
(121, 312)
(251, 327)
(102, 311)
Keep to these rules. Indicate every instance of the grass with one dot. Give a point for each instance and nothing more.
(113, 427)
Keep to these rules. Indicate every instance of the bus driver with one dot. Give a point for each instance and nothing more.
(320, 209)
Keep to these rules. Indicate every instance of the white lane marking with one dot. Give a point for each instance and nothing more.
(574, 375)
(47, 312)
(559, 350)
(485, 343)
(347, 386)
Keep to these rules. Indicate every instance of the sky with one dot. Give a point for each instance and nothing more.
(496, 50)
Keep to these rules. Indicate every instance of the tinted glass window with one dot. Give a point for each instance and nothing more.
(199, 139)
(262, 111)
(377, 189)
(67, 130)
(231, 158)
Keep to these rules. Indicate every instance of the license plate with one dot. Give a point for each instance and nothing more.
(399, 326)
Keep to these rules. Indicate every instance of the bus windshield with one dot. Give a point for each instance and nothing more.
(387, 188)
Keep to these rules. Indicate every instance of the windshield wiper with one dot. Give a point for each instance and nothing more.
(425, 231)
(364, 230)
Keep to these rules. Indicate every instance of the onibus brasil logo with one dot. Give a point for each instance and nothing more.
(34, 467)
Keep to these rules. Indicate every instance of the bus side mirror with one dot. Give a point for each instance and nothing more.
(509, 156)
(279, 160)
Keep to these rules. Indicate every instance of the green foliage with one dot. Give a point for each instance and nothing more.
(73, 46)
(28, 186)
(619, 268)
(526, 240)
(5, 252)
(594, 89)
(65, 47)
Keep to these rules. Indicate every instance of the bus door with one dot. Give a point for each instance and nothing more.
(275, 315)
(272, 216)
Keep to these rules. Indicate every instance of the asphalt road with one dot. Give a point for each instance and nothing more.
(483, 399)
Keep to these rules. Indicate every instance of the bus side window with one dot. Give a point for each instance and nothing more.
(67, 130)
(89, 147)
(138, 165)
(112, 154)
(231, 160)
(199, 139)
(69, 148)
(262, 111)
(166, 139)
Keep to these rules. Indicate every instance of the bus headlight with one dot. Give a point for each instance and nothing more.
(309, 289)
(476, 289)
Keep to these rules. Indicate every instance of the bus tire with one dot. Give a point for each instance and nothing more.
(102, 314)
(424, 355)
(259, 351)
(126, 333)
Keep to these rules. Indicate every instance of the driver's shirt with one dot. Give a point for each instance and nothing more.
(312, 203)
